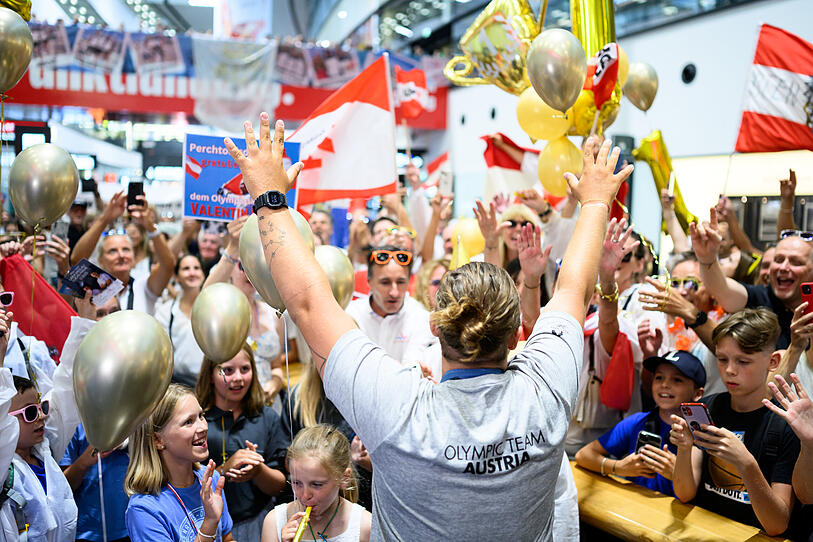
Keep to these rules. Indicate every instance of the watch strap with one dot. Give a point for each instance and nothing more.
(701, 319)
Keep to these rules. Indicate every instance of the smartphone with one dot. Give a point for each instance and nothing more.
(645, 437)
(671, 188)
(695, 414)
(807, 295)
(60, 229)
(88, 185)
(446, 183)
(134, 189)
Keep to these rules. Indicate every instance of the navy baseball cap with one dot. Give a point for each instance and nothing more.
(685, 362)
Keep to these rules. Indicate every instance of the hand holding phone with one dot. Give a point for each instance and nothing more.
(807, 295)
(696, 415)
(645, 437)
(134, 190)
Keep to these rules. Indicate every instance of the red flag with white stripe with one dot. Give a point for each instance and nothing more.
(348, 143)
(411, 95)
(778, 107)
(193, 168)
(433, 169)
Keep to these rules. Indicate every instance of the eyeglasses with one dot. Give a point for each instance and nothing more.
(804, 235)
(402, 230)
(381, 257)
(523, 223)
(115, 231)
(690, 283)
(6, 298)
(34, 412)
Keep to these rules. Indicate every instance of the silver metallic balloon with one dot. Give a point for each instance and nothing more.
(221, 318)
(339, 271)
(16, 46)
(641, 85)
(123, 367)
(253, 257)
(42, 183)
(557, 67)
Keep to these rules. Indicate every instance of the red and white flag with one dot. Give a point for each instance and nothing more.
(602, 73)
(433, 169)
(778, 107)
(348, 143)
(411, 94)
(193, 168)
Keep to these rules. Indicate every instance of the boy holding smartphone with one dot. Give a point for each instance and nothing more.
(744, 469)
(642, 439)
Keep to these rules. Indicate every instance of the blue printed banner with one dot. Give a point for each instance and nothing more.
(213, 184)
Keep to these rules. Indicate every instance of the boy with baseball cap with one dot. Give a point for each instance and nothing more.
(678, 378)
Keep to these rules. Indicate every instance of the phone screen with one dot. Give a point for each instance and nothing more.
(134, 189)
(446, 183)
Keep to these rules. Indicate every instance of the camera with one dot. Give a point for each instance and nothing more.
(806, 289)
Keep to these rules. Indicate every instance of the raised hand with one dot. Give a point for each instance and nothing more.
(665, 300)
(59, 251)
(787, 187)
(598, 182)
(115, 207)
(84, 305)
(725, 209)
(261, 165)
(235, 227)
(801, 327)
(706, 239)
(613, 251)
(441, 204)
(501, 201)
(532, 259)
(649, 340)
(413, 175)
(487, 219)
(533, 199)
(212, 500)
(141, 213)
(667, 201)
(796, 407)
(244, 464)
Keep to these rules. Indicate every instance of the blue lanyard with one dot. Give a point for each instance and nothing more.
(463, 374)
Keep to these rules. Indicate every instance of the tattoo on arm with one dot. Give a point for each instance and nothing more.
(272, 244)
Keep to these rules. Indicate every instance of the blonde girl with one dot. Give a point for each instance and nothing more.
(323, 478)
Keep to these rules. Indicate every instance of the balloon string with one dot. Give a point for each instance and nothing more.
(33, 286)
(101, 497)
(2, 129)
(288, 387)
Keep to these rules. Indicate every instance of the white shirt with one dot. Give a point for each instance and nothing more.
(143, 299)
(41, 363)
(187, 354)
(404, 335)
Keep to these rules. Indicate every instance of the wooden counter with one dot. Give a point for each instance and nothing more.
(632, 512)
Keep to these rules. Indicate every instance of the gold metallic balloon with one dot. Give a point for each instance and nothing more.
(221, 318)
(23, 7)
(642, 85)
(653, 151)
(471, 238)
(583, 113)
(623, 66)
(593, 22)
(496, 44)
(557, 67)
(123, 367)
(538, 119)
(16, 46)
(252, 258)
(339, 271)
(42, 183)
(558, 157)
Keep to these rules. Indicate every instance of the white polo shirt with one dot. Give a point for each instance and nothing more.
(404, 335)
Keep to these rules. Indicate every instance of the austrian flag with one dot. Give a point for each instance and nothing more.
(778, 107)
(411, 94)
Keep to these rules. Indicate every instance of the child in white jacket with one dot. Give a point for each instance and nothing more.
(36, 426)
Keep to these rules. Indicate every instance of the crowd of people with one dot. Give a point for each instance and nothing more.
(565, 340)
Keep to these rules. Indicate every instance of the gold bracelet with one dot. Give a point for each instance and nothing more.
(611, 298)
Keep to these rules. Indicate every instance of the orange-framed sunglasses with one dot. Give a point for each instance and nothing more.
(381, 257)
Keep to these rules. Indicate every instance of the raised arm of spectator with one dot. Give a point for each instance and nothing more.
(664, 299)
(85, 245)
(787, 191)
(359, 237)
(439, 205)
(190, 228)
(419, 209)
(393, 203)
(731, 295)
(797, 410)
(595, 191)
(299, 278)
(516, 154)
(801, 332)
(532, 261)
(487, 220)
(612, 253)
(221, 272)
(726, 211)
(160, 275)
(673, 227)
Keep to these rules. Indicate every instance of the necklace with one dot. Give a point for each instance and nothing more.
(322, 534)
(194, 527)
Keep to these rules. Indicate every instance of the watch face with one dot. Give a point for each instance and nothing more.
(275, 198)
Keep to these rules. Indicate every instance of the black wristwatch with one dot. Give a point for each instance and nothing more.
(701, 319)
(272, 199)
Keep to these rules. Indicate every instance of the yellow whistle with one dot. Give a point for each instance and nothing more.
(304, 523)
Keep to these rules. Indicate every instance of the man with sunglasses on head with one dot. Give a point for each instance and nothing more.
(390, 317)
(791, 266)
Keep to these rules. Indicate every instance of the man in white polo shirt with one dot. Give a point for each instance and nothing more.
(392, 319)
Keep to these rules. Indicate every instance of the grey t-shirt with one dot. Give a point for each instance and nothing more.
(472, 459)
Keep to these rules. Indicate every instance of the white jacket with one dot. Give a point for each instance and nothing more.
(51, 517)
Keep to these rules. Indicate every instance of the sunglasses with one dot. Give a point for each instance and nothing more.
(690, 283)
(115, 231)
(401, 230)
(34, 412)
(804, 235)
(6, 298)
(381, 257)
(514, 223)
